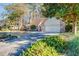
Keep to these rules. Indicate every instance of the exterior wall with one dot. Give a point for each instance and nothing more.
(53, 25)
(62, 26)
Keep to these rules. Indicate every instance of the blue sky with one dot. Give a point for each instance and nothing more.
(2, 10)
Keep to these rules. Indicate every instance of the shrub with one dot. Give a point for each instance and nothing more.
(3, 35)
(48, 46)
(68, 28)
(56, 41)
(40, 49)
(73, 47)
(12, 36)
(6, 36)
(33, 27)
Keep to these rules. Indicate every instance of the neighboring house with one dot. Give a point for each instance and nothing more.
(49, 25)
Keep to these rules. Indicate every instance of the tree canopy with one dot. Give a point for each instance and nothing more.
(16, 12)
(67, 11)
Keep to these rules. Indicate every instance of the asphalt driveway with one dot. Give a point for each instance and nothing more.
(16, 46)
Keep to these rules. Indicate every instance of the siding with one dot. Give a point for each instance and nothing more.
(53, 25)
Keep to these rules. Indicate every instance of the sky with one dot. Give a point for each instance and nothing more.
(2, 10)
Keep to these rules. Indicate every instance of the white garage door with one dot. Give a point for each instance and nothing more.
(54, 29)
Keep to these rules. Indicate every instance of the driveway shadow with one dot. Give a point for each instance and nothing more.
(31, 37)
(20, 49)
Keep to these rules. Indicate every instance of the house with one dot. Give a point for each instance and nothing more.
(45, 24)
(49, 24)
(52, 25)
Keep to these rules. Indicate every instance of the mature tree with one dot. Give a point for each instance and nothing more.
(34, 10)
(16, 12)
(66, 11)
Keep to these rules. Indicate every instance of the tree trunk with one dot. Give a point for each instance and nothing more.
(74, 28)
(21, 23)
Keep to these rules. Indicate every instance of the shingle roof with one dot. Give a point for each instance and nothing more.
(37, 22)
